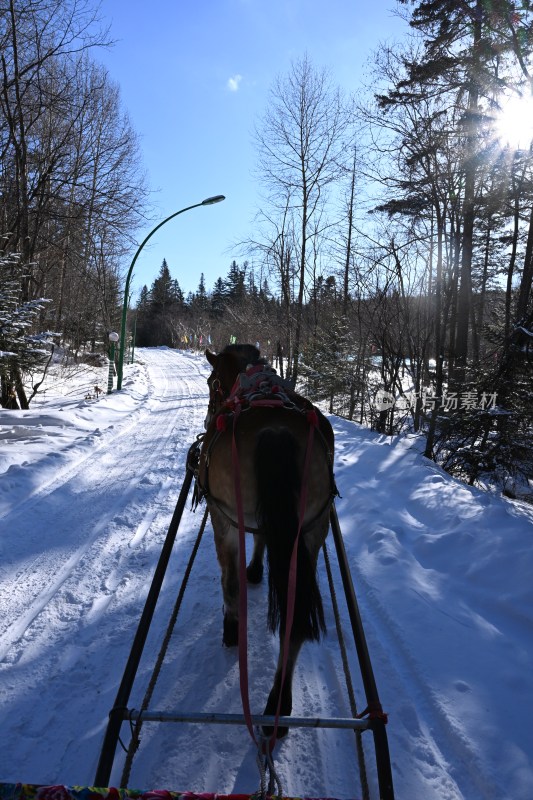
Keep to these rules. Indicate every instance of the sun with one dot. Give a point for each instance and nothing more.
(514, 122)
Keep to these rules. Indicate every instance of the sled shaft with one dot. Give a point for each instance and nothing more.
(116, 717)
(377, 719)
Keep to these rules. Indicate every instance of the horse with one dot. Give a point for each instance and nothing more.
(282, 448)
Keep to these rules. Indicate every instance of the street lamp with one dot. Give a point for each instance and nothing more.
(208, 202)
(113, 339)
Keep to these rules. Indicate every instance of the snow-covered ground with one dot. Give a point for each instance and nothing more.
(443, 575)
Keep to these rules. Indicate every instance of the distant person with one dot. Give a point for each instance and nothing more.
(279, 359)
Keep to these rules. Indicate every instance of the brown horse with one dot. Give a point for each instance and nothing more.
(261, 427)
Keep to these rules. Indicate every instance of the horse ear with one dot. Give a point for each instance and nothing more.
(211, 357)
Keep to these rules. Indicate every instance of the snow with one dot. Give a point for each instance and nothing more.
(442, 574)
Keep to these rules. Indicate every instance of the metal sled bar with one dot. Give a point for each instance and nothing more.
(238, 719)
(116, 715)
(376, 720)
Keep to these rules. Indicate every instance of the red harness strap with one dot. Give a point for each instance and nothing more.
(243, 589)
(243, 593)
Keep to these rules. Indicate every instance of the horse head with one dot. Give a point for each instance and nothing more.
(227, 365)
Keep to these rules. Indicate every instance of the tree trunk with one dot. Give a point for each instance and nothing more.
(464, 300)
(512, 262)
(527, 275)
(345, 293)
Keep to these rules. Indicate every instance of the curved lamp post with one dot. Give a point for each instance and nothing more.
(208, 202)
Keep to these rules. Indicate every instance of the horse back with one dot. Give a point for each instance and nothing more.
(217, 462)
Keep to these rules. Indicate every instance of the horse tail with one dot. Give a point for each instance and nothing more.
(278, 479)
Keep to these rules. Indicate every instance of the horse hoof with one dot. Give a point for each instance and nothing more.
(254, 573)
(230, 635)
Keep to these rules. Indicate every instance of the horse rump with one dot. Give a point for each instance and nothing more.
(278, 477)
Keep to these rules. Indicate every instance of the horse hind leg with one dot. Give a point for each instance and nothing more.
(285, 705)
(254, 570)
(313, 541)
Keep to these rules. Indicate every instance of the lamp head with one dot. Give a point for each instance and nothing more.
(211, 200)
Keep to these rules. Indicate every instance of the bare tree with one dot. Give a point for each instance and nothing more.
(301, 145)
(40, 38)
(71, 193)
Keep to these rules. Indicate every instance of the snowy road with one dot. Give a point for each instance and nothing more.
(442, 573)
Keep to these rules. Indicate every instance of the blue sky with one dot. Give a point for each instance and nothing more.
(195, 77)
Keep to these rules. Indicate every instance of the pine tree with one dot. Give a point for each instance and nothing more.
(176, 293)
(218, 298)
(23, 348)
(234, 285)
(162, 293)
(469, 51)
(201, 298)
